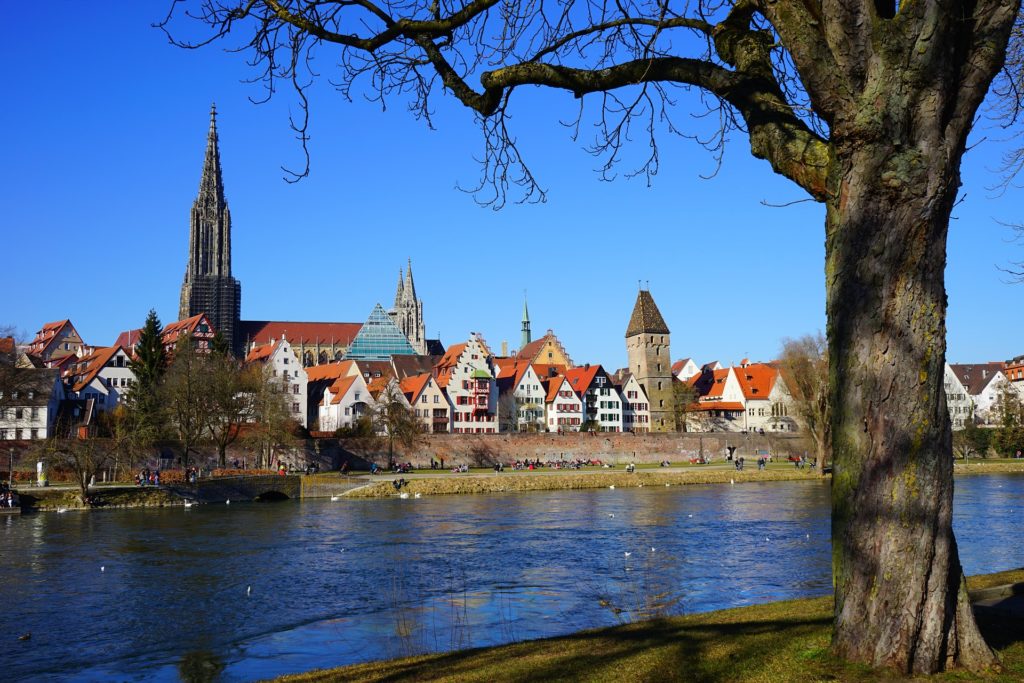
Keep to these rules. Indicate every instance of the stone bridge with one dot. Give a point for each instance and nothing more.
(245, 488)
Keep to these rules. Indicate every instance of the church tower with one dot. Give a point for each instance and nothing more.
(408, 312)
(209, 287)
(527, 337)
(650, 361)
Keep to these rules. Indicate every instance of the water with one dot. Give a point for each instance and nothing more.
(336, 583)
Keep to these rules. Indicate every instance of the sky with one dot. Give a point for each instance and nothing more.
(105, 133)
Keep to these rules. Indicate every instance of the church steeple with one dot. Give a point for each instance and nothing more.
(211, 184)
(208, 286)
(527, 336)
(410, 288)
(400, 291)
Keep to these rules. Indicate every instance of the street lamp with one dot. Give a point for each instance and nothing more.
(10, 470)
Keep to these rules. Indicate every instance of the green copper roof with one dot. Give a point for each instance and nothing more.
(480, 374)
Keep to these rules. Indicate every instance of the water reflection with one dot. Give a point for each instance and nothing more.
(349, 581)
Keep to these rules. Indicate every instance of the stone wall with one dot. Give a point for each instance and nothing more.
(486, 449)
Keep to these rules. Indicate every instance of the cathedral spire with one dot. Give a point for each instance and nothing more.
(409, 286)
(400, 290)
(211, 184)
(527, 336)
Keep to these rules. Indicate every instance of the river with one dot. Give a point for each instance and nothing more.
(258, 590)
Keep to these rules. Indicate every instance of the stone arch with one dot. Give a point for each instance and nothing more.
(338, 355)
(322, 358)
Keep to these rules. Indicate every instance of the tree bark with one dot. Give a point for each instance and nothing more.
(900, 596)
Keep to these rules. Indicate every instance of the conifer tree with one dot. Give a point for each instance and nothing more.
(219, 345)
(149, 365)
(150, 361)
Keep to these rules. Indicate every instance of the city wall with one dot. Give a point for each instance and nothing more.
(485, 449)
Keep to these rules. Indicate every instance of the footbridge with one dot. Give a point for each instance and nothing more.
(245, 488)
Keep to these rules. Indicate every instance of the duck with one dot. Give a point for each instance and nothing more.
(334, 499)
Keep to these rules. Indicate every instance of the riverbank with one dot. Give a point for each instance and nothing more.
(550, 480)
(782, 641)
(106, 497)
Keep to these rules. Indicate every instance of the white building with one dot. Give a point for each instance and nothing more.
(961, 408)
(720, 401)
(104, 375)
(344, 402)
(28, 409)
(279, 359)
(429, 404)
(767, 403)
(520, 398)
(464, 373)
(636, 410)
(685, 369)
(985, 384)
(563, 406)
(602, 405)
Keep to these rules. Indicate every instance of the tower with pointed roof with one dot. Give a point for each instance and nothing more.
(407, 312)
(650, 360)
(209, 286)
(527, 336)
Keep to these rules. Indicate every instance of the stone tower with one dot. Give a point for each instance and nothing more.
(209, 287)
(408, 312)
(647, 344)
(527, 337)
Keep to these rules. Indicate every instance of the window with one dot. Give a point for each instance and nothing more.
(18, 413)
(35, 433)
(285, 360)
(295, 388)
(14, 395)
(35, 413)
(437, 399)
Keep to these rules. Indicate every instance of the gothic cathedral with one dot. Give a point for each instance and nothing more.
(209, 287)
(408, 312)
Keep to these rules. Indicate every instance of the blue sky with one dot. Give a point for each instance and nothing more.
(105, 130)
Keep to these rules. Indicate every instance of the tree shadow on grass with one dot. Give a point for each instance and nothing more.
(761, 646)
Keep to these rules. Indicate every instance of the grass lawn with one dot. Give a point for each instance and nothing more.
(783, 641)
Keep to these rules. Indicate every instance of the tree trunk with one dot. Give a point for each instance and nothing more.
(900, 596)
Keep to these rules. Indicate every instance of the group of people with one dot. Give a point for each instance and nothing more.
(148, 477)
(8, 498)
(562, 464)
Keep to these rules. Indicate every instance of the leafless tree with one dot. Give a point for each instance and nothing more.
(804, 366)
(85, 458)
(183, 396)
(866, 105)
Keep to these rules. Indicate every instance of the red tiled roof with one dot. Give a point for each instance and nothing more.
(377, 385)
(308, 333)
(580, 378)
(341, 387)
(172, 331)
(335, 370)
(46, 335)
(717, 405)
(710, 384)
(756, 380)
(679, 365)
(128, 338)
(95, 362)
(553, 386)
(412, 387)
(261, 353)
(443, 369)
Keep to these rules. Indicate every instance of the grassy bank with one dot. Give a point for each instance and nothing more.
(594, 479)
(783, 641)
(105, 497)
(988, 466)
